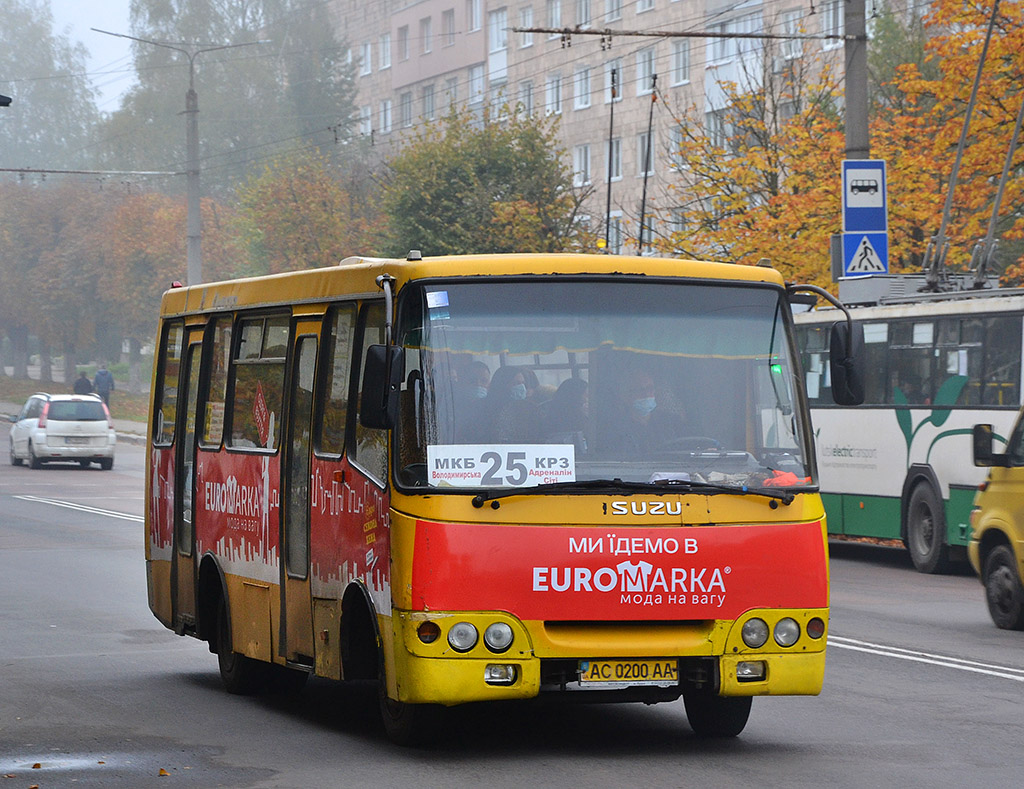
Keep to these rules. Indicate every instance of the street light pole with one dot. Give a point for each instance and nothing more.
(193, 227)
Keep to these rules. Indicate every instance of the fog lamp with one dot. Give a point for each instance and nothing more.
(500, 674)
(462, 636)
(750, 671)
(787, 631)
(498, 637)
(816, 628)
(428, 632)
(754, 632)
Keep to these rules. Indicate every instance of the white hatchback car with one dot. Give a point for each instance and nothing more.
(73, 428)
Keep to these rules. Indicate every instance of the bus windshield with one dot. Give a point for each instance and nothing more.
(529, 383)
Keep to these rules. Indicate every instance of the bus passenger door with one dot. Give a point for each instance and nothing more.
(183, 571)
(296, 602)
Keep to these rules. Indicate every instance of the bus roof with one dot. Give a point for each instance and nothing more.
(357, 276)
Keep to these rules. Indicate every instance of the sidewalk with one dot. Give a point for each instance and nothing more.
(127, 431)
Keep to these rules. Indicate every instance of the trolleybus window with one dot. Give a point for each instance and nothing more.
(213, 427)
(259, 382)
(166, 396)
(334, 403)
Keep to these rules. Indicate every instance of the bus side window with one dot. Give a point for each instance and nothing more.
(258, 374)
(371, 444)
(166, 399)
(213, 419)
(333, 406)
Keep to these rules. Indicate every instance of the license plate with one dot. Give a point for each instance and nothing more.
(78, 440)
(628, 673)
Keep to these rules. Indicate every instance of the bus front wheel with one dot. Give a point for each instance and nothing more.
(1003, 591)
(711, 715)
(406, 724)
(240, 674)
(926, 531)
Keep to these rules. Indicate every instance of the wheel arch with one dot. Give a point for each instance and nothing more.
(211, 588)
(359, 635)
(993, 536)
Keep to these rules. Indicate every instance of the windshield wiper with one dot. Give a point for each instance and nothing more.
(680, 485)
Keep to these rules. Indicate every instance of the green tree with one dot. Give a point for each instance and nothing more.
(49, 123)
(471, 185)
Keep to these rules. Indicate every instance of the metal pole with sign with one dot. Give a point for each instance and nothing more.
(865, 218)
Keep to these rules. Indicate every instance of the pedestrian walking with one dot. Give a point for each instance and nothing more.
(83, 385)
(104, 383)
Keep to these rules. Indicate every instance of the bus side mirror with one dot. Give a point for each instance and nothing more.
(846, 363)
(981, 443)
(382, 379)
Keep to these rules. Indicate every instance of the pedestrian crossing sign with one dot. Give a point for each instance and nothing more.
(865, 253)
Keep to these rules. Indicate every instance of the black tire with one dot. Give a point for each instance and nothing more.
(83, 463)
(714, 716)
(240, 674)
(106, 463)
(1003, 591)
(33, 461)
(15, 461)
(926, 531)
(407, 724)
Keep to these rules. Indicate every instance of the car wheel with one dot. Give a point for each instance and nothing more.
(711, 715)
(106, 463)
(33, 461)
(926, 531)
(15, 460)
(1003, 591)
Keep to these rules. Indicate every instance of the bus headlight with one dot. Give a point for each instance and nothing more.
(462, 637)
(498, 637)
(754, 632)
(787, 631)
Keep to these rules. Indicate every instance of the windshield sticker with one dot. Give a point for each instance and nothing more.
(437, 305)
(500, 466)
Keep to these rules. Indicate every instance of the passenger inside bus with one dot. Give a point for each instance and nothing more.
(644, 425)
(509, 416)
(564, 416)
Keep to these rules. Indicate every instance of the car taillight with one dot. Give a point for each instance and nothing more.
(110, 421)
(42, 415)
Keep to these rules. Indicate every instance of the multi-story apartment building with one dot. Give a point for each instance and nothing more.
(417, 57)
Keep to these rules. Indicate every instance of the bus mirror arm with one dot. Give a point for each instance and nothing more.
(846, 350)
(981, 444)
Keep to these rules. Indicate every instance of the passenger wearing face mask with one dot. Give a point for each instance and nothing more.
(470, 393)
(509, 417)
(644, 426)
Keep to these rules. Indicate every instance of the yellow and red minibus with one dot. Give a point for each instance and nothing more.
(494, 477)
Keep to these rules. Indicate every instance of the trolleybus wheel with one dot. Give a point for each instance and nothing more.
(711, 715)
(1003, 591)
(926, 531)
(240, 674)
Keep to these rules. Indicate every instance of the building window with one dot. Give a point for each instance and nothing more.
(716, 126)
(615, 159)
(526, 20)
(581, 165)
(405, 109)
(366, 120)
(403, 42)
(722, 47)
(497, 30)
(553, 95)
(385, 116)
(473, 14)
(427, 34)
(581, 89)
(583, 13)
(644, 5)
(615, 234)
(526, 97)
(476, 84)
(792, 26)
(676, 220)
(448, 27)
(429, 110)
(675, 147)
(612, 81)
(832, 23)
(612, 10)
(451, 91)
(645, 71)
(367, 59)
(680, 61)
(385, 51)
(554, 15)
(644, 154)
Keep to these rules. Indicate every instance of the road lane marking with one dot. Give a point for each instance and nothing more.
(992, 670)
(82, 508)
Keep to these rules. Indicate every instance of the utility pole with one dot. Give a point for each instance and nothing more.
(194, 222)
(855, 51)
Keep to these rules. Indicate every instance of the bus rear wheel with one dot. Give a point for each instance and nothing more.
(240, 674)
(1003, 591)
(712, 716)
(926, 531)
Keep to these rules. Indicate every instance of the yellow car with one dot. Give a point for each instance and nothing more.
(997, 525)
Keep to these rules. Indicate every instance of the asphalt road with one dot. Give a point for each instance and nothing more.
(921, 689)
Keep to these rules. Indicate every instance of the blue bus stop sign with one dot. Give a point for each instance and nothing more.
(865, 218)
